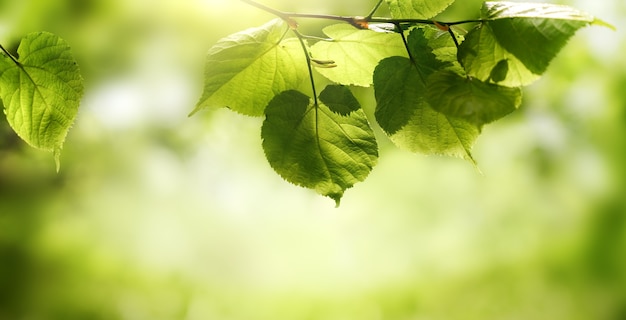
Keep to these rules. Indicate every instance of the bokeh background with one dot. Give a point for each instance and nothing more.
(155, 215)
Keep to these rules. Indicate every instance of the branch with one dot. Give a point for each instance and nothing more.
(358, 22)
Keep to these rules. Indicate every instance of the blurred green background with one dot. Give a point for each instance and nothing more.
(155, 215)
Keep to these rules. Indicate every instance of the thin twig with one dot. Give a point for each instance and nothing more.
(287, 16)
(371, 14)
(308, 63)
(10, 55)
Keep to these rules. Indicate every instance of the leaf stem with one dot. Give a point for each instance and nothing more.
(309, 65)
(406, 45)
(456, 42)
(10, 55)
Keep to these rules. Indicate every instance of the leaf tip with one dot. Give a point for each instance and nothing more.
(602, 23)
(57, 158)
(336, 197)
(194, 111)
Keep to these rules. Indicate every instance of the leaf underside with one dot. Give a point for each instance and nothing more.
(42, 91)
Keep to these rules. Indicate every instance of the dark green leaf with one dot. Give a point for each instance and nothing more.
(314, 147)
(403, 112)
(399, 91)
(247, 69)
(339, 99)
(41, 91)
(482, 56)
(419, 43)
(530, 34)
(471, 99)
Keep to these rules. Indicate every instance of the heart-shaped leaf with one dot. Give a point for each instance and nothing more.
(41, 90)
(315, 146)
(247, 69)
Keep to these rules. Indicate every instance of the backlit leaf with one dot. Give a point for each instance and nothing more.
(483, 58)
(247, 69)
(316, 147)
(471, 99)
(355, 53)
(417, 9)
(41, 91)
(525, 35)
(404, 113)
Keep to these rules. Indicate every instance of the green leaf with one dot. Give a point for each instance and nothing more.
(471, 99)
(355, 53)
(525, 35)
(431, 132)
(417, 9)
(391, 111)
(247, 69)
(486, 60)
(426, 61)
(339, 99)
(41, 91)
(312, 146)
(404, 113)
(399, 91)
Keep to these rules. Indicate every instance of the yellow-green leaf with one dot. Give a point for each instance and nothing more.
(41, 90)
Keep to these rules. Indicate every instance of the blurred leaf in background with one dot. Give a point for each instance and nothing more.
(160, 216)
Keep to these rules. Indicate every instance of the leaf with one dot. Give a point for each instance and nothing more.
(41, 91)
(355, 53)
(340, 100)
(404, 113)
(399, 91)
(314, 147)
(525, 35)
(471, 99)
(483, 58)
(247, 69)
(431, 132)
(417, 9)
(400, 84)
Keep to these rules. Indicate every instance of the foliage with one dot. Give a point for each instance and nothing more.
(435, 89)
(41, 90)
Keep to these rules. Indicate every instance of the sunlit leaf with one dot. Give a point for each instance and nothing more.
(355, 53)
(316, 147)
(41, 90)
(525, 36)
(484, 58)
(404, 113)
(247, 69)
(431, 132)
(417, 9)
(471, 99)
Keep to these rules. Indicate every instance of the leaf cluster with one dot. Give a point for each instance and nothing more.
(435, 88)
